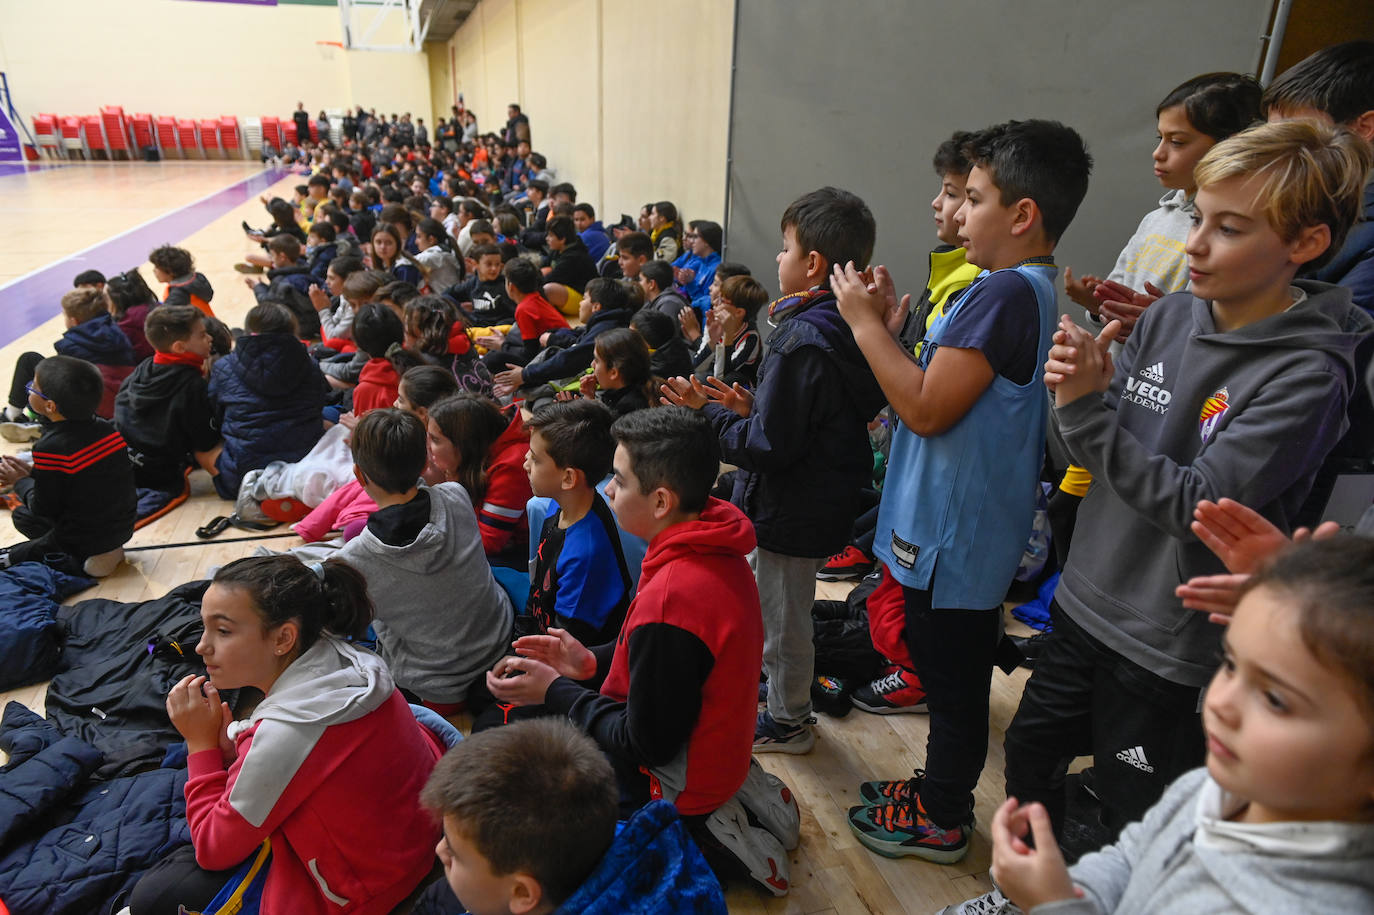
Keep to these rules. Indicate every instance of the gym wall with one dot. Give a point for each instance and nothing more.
(197, 59)
(628, 99)
(860, 94)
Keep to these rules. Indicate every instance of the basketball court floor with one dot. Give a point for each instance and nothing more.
(60, 219)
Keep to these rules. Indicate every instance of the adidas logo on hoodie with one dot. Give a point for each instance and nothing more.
(1135, 757)
(1154, 373)
(1148, 389)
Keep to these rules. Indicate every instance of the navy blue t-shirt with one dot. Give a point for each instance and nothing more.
(1000, 317)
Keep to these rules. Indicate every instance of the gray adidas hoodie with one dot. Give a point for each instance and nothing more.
(442, 620)
(1195, 414)
(1185, 856)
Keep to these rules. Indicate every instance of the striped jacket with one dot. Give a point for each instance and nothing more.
(83, 484)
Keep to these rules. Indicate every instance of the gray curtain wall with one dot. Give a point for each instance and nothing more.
(859, 93)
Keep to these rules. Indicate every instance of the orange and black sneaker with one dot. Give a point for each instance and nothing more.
(904, 830)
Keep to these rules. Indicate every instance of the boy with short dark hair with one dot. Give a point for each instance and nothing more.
(288, 282)
(677, 701)
(163, 409)
(533, 313)
(656, 277)
(1336, 85)
(444, 619)
(321, 247)
(376, 329)
(78, 496)
(971, 440)
(483, 294)
(633, 251)
(801, 443)
(1236, 389)
(175, 267)
(580, 581)
(503, 853)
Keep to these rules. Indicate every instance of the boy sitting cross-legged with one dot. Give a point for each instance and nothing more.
(78, 497)
(681, 679)
(441, 618)
(529, 820)
(163, 409)
(962, 479)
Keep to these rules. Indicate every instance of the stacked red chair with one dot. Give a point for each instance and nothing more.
(167, 135)
(116, 131)
(229, 136)
(271, 131)
(95, 135)
(71, 135)
(186, 136)
(289, 130)
(142, 126)
(46, 135)
(314, 131)
(209, 136)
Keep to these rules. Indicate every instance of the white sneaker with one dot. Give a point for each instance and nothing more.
(993, 903)
(102, 564)
(752, 846)
(20, 431)
(772, 803)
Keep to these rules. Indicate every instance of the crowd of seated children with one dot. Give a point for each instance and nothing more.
(177, 269)
(76, 496)
(267, 395)
(604, 307)
(327, 767)
(163, 409)
(502, 853)
(441, 619)
(675, 706)
(476, 443)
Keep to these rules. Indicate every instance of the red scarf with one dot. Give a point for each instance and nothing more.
(191, 359)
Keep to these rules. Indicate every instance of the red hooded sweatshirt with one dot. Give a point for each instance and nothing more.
(681, 694)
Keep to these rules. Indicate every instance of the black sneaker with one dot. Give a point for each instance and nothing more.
(772, 737)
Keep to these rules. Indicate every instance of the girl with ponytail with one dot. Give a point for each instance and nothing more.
(327, 768)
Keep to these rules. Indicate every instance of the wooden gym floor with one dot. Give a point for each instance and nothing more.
(103, 215)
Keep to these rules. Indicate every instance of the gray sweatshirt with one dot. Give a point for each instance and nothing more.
(1155, 252)
(442, 620)
(1185, 856)
(1195, 414)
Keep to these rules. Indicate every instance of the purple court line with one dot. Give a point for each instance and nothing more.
(23, 168)
(33, 299)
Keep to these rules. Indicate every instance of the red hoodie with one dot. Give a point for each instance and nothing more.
(330, 768)
(377, 386)
(501, 516)
(682, 688)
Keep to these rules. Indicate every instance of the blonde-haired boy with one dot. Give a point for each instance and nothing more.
(1237, 389)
